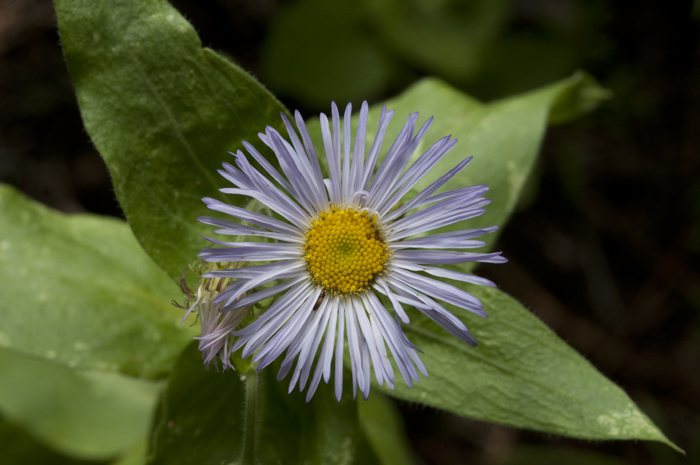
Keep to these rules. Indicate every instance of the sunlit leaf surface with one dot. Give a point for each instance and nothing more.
(82, 413)
(521, 375)
(80, 292)
(163, 113)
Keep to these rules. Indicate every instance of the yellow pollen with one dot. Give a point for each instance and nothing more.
(344, 250)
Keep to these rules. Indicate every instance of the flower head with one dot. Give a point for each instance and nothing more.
(329, 250)
(216, 341)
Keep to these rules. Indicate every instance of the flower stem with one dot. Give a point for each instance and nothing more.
(251, 405)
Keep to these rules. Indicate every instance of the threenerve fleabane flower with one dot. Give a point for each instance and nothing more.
(331, 249)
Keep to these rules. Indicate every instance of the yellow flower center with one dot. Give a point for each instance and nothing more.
(344, 250)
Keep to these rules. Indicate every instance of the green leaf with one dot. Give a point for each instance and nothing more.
(163, 113)
(574, 101)
(78, 291)
(520, 375)
(84, 414)
(136, 455)
(383, 427)
(318, 51)
(504, 137)
(230, 417)
(20, 448)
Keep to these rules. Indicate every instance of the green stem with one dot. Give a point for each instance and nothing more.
(251, 405)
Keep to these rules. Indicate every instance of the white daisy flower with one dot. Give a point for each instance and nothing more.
(337, 248)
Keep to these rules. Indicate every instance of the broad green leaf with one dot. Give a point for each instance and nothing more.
(504, 137)
(318, 51)
(79, 291)
(383, 427)
(82, 413)
(230, 417)
(20, 448)
(573, 101)
(163, 113)
(137, 455)
(520, 375)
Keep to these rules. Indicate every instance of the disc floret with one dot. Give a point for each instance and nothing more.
(344, 250)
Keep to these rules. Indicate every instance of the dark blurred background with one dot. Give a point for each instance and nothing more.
(604, 245)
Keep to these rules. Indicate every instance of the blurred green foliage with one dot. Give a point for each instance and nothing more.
(351, 51)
